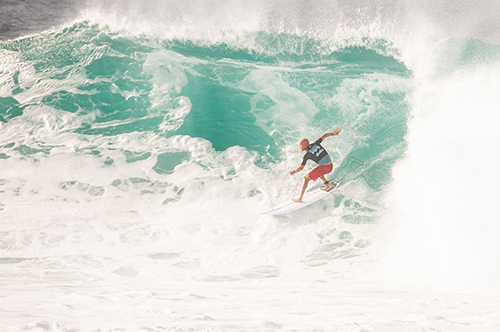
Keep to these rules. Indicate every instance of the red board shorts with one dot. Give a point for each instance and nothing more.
(320, 170)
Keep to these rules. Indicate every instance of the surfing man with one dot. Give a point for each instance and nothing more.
(318, 154)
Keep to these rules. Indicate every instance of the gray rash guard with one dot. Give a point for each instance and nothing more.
(316, 153)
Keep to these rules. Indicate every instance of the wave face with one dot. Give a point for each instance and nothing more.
(140, 143)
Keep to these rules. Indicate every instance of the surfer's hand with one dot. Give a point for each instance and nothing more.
(333, 133)
(292, 172)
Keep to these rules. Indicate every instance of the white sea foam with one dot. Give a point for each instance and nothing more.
(445, 188)
(91, 245)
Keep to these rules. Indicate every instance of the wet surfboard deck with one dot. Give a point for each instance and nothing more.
(309, 198)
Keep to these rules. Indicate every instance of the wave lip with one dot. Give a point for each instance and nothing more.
(137, 164)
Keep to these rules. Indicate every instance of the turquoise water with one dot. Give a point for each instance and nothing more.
(114, 85)
(141, 141)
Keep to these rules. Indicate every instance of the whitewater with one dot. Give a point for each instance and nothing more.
(140, 142)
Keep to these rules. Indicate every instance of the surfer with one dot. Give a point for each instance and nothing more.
(318, 154)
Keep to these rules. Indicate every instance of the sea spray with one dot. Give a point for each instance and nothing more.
(445, 188)
(140, 143)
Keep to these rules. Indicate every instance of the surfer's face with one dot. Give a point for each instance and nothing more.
(304, 144)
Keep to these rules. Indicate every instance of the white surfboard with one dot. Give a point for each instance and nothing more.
(309, 198)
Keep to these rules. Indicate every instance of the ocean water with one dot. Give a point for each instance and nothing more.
(140, 141)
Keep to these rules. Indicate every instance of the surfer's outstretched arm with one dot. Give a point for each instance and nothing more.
(292, 172)
(333, 133)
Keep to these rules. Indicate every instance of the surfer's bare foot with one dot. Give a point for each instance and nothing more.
(327, 187)
(297, 200)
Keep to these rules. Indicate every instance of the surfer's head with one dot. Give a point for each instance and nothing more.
(304, 143)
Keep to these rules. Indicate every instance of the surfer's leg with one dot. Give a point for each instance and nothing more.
(303, 189)
(327, 184)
